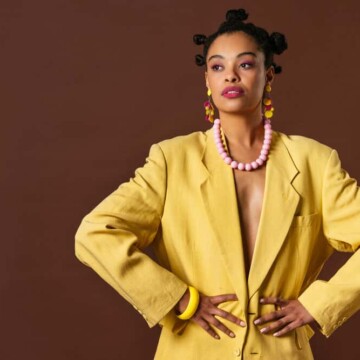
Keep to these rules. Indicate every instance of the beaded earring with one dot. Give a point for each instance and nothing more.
(209, 108)
(268, 107)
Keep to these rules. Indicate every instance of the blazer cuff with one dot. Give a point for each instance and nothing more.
(316, 301)
(170, 299)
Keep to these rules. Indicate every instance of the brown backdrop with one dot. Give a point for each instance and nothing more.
(87, 87)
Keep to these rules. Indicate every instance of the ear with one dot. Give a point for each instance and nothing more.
(270, 74)
(206, 79)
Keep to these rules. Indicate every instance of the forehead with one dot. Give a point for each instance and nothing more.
(230, 45)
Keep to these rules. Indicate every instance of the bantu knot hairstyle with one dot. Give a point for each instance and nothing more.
(268, 44)
(199, 39)
(236, 15)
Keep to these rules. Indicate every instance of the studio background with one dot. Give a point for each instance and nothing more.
(86, 88)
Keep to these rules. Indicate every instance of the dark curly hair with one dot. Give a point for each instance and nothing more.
(269, 44)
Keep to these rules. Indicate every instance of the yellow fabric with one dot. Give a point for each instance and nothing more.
(183, 202)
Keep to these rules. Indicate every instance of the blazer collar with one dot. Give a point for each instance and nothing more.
(279, 206)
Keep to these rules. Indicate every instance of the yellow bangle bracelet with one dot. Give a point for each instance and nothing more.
(192, 305)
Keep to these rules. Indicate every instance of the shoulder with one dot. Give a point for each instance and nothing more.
(302, 142)
(301, 147)
(184, 145)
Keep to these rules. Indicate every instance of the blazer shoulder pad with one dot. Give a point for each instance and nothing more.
(305, 146)
(190, 144)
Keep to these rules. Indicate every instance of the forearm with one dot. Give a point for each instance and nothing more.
(114, 256)
(332, 302)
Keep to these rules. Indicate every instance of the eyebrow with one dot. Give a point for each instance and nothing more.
(237, 56)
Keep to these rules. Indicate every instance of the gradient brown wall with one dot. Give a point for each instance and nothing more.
(86, 88)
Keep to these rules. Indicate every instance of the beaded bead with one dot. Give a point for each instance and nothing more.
(248, 167)
(228, 160)
(241, 166)
(234, 164)
(269, 114)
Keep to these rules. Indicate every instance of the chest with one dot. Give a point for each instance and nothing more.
(250, 188)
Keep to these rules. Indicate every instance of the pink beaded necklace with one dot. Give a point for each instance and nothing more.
(261, 160)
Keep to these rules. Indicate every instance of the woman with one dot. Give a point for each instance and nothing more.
(241, 218)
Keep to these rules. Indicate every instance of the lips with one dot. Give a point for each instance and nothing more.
(232, 91)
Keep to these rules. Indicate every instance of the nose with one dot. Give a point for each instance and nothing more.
(232, 77)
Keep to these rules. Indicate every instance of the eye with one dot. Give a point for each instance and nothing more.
(216, 67)
(246, 65)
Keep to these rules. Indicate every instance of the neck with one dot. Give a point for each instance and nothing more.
(243, 130)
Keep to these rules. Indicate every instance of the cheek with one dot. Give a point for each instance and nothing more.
(258, 86)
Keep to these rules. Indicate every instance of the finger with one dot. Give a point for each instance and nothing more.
(218, 299)
(274, 315)
(228, 316)
(205, 325)
(218, 324)
(276, 325)
(285, 329)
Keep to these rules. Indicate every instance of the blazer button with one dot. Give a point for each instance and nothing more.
(237, 353)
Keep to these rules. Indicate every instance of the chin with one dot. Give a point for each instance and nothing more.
(235, 111)
(239, 109)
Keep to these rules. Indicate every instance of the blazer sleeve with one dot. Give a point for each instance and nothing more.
(332, 302)
(110, 238)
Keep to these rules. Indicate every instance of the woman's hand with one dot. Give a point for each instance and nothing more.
(290, 315)
(206, 311)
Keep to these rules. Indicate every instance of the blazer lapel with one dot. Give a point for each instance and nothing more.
(220, 200)
(278, 209)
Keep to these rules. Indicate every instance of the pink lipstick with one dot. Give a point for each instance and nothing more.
(231, 92)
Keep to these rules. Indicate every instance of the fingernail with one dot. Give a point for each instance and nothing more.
(263, 330)
(232, 335)
(276, 334)
(257, 321)
(242, 323)
(262, 300)
(217, 337)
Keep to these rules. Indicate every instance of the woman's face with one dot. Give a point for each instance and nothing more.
(236, 73)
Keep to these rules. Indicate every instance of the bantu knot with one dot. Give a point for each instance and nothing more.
(199, 39)
(200, 60)
(239, 15)
(278, 43)
(277, 68)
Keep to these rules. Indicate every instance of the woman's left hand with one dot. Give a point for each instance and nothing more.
(290, 315)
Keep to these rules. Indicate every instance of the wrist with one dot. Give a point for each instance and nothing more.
(188, 304)
(183, 302)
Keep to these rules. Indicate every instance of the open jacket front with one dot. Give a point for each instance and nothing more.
(183, 202)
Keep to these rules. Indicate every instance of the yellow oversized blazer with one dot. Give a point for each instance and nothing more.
(183, 202)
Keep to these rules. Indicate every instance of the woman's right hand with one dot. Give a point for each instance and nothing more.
(206, 311)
